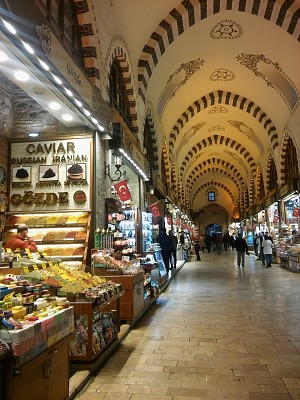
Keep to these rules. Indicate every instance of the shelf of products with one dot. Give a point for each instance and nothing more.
(147, 230)
(95, 328)
(64, 235)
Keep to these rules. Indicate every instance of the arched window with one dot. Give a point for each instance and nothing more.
(211, 196)
(273, 176)
(291, 162)
(117, 92)
(62, 17)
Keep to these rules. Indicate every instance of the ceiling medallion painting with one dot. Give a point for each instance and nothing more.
(249, 132)
(190, 133)
(222, 74)
(226, 29)
(176, 80)
(272, 74)
(216, 128)
(218, 110)
(235, 156)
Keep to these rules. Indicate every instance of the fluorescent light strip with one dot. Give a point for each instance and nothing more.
(12, 30)
(133, 163)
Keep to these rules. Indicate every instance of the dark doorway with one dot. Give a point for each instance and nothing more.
(213, 229)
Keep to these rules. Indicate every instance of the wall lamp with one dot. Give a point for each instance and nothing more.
(118, 164)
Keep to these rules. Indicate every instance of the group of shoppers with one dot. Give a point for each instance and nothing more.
(263, 248)
(168, 244)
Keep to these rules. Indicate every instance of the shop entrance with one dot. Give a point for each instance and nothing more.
(213, 230)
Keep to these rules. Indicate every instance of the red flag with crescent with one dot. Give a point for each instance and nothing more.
(154, 209)
(123, 190)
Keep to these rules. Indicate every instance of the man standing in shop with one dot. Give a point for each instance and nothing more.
(267, 250)
(21, 240)
(165, 243)
(241, 248)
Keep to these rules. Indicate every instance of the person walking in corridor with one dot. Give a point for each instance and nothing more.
(241, 249)
(165, 243)
(197, 249)
(268, 251)
(174, 241)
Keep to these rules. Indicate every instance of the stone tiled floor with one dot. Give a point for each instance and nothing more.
(218, 332)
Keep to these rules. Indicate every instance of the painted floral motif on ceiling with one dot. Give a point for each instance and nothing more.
(249, 132)
(222, 74)
(226, 29)
(234, 156)
(216, 128)
(176, 80)
(218, 110)
(271, 72)
(190, 133)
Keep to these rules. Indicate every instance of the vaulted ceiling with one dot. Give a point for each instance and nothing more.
(221, 79)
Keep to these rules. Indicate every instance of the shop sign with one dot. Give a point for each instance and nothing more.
(50, 175)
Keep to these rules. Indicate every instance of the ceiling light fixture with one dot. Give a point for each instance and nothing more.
(21, 76)
(3, 56)
(44, 65)
(69, 93)
(10, 27)
(54, 106)
(33, 134)
(28, 48)
(67, 117)
(56, 78)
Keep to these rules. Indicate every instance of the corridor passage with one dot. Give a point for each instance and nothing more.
(218, 332)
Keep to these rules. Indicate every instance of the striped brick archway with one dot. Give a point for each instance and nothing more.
(230, 99)
(215, 170)
(91, 59)
(270, 161)
(119, 53)
(284, 14)
(283, 155)
(221, 141)
(88, 41)
(213, 162)
(150, 119)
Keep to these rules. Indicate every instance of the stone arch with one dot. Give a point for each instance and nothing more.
(259, 181)
(213, 162)
(270, 162)
(217, 170)
(209, 184)
(150, 119)
(88, 41)
(165, 163)
(283, 154)
(231, 99)
(218, 140)
(251, 191)
(188, 13)
(120, 53)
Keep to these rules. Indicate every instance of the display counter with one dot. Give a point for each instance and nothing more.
(132, 302)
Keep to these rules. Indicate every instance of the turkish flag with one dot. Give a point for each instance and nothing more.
(153, 208)
(123, 190)
(169, 219)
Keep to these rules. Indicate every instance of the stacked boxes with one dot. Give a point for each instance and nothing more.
(38, 336)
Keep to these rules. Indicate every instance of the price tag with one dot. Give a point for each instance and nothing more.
(50, 264)
(44, 266)
(25, 270)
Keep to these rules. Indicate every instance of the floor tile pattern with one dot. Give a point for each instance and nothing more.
(219, 332)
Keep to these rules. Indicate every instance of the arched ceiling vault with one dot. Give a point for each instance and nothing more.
(220, 81)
